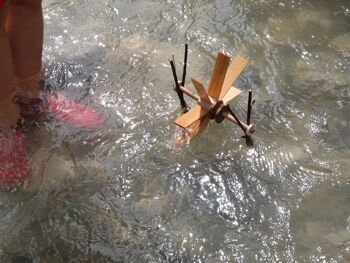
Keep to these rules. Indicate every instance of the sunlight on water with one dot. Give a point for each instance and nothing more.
(125, 193)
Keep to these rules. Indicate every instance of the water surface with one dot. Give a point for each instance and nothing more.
(124, 193)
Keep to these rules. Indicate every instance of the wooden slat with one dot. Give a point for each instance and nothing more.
(231, 94)
(198, 126)
(218, 76)
(233, 72)
(191, 116)
(201, 90)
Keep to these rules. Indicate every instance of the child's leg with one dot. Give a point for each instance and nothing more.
(9, 112)
(5, 55)
(24, 26)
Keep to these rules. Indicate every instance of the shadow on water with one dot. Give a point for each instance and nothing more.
(123, 193)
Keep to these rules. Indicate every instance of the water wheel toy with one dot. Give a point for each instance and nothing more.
(213, 104)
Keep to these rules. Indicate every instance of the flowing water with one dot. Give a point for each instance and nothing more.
(124, 193)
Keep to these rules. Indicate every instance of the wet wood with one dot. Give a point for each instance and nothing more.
(233, 72)
(214, 103)
(201, 90)
(208, 107)
(218, 76)
(217, 110)
(203, 103)
(189, 93)
(191, 116)
(197, 127)
(249, 110)
(231, 94)
(232, 119)
(185, 66)
(177, 86)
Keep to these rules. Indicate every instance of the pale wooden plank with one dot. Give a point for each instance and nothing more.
(231, 94)
(191, 116)
(197, 127)
(218, 76)
(201, 90)
(233, 72)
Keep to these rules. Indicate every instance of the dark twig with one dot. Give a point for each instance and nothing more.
(248, 140)
(249, 111)
(237, 120)
(177, 86)
(173, 59)
(185, 66)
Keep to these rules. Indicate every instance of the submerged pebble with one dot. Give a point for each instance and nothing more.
(342, 44)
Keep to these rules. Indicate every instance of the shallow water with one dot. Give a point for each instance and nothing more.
(124, 193)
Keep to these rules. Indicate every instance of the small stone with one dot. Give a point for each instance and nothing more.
(321, 18)
(342, 44)
(301, 65)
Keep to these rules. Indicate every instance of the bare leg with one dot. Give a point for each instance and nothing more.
(6, 63)
(8, 110)
(24, 26)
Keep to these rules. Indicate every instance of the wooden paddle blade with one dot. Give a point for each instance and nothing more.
(197, 127)
(233, 72)
(201, 90)
(191, 116)
(218, 76)
(231, 94)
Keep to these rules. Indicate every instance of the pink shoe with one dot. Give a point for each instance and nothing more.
(77, 115)
(61, 108)
(13, 158)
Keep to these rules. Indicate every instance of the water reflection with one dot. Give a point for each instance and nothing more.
(124, 194)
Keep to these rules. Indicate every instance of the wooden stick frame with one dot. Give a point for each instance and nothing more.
(217, 109)
(250, 129)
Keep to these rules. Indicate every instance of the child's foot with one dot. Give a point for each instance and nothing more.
(61, 108)
(9, 111)
(13, 159)
(77, 115)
